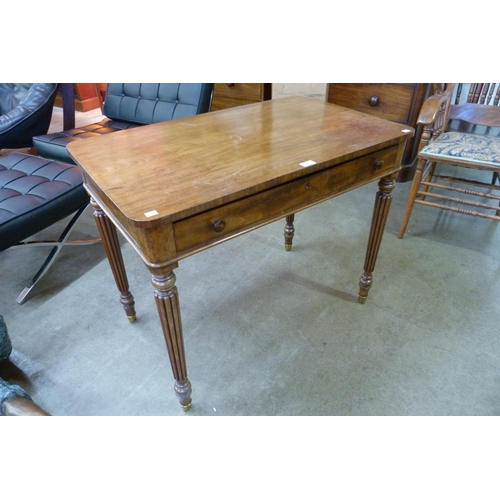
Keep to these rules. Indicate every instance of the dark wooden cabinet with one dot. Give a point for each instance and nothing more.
(398, 102)
(86, 96)
(229, 95)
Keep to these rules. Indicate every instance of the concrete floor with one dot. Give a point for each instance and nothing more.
(270, 332)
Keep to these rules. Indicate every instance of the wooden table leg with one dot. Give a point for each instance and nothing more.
(109, 237)
(289, 231)
(383, 201)
(167, 302)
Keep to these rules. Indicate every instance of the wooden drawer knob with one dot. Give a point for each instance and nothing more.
(378, 163)
(373, 101)
(219, 226)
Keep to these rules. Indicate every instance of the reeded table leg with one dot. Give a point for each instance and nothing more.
(383, 201)
(109, 237)
(167, 302)
(289, 231)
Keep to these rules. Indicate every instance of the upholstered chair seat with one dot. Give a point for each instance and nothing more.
(54, 145)
(35, 193)
(463, 149)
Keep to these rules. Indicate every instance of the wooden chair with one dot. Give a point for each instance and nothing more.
(458, 135)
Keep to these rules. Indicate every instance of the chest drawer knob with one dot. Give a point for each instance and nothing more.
(373, 101)
(219, 226)
(378, 163)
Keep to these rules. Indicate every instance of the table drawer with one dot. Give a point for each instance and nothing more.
(209, 227)
(253, 91)
(229, 95)
(392, 101)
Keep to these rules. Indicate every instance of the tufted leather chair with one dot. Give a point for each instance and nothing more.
(34, 194)
(130, 105)
(38, 191)
(25, 111)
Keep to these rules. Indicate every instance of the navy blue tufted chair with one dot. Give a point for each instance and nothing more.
(131, 105)
(38, 191)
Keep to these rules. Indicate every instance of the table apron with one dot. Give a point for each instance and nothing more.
(227, 221)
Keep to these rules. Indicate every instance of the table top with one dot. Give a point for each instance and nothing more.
(171, 170)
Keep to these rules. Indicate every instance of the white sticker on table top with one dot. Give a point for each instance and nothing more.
(307, 163)
(152, 213)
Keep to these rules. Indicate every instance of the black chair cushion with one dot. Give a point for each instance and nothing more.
(130, 105)
(54, 145)
(34, 194)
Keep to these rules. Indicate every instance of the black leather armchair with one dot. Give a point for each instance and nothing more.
(38, 191)
(129, 105)
(25, 111)
(34, 194)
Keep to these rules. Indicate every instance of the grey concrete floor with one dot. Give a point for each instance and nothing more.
(270, 332)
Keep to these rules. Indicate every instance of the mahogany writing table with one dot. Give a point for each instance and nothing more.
(175, 188)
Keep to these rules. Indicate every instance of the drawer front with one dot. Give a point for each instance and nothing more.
(209, 227)
(229, 95)
(220, 101)
(251, 91)
(392, 101)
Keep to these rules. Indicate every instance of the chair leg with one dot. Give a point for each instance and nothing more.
(427, 175)
(494, 180)
(417, 179)
(57, 247)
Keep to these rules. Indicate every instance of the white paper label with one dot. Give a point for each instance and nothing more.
(307, 163)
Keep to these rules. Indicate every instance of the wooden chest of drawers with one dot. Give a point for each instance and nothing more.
(229, 95)
(398, 102)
